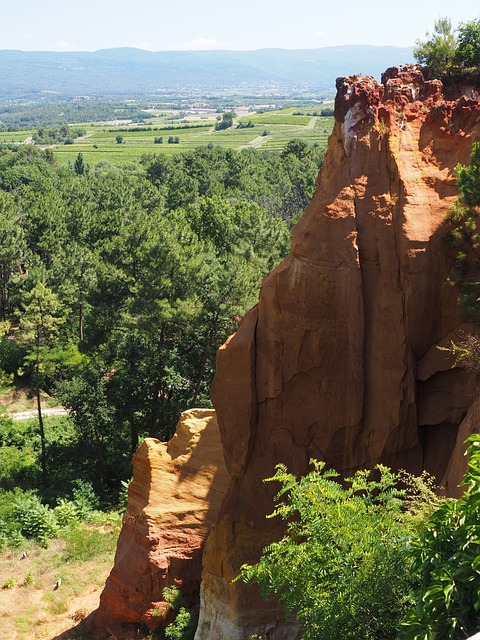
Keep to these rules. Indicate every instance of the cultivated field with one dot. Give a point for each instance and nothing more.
(270, 131)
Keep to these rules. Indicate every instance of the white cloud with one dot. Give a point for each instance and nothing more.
(63, 46)
(205, 43)
(147, 46)
(320, 34)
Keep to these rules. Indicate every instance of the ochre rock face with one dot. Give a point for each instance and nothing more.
(339, 361)
(174, 497)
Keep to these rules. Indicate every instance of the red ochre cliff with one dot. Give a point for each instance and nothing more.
(339, 360)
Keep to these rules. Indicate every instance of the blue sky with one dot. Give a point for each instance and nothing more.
(89, 25)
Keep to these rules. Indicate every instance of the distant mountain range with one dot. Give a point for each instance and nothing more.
(124, 72)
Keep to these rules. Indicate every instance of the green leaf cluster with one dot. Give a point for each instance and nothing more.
(447, 561)
(343, 566)
(449, 54)
(464, 234)
(185, 623)
(24, 516)
(36, 519)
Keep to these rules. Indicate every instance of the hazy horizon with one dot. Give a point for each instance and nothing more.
(338, 46)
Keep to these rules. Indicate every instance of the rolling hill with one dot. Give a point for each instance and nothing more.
(124, 72)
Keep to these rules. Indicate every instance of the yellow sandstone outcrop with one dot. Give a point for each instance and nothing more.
(173, 499)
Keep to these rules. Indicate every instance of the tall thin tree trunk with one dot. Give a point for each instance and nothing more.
(156, 389)
(80, 323)
(133, 434)
(40, 417)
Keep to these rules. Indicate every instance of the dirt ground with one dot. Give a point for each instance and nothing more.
(32, 609)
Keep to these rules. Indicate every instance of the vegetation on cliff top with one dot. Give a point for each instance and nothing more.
(450, 57)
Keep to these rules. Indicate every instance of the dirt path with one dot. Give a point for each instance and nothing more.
(46, 413)
(256, 142)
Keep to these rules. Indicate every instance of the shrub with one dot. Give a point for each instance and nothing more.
(17, 466)
(10, 535)
(29, 580)
(66, 512)
(447, 560)
(185, 623)
(9, 583)
(183, 627)
(83, 544)
(12, 354)
(36, 519)
(343, 566)
(85, 499)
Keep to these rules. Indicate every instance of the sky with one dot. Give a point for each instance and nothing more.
(158, 25)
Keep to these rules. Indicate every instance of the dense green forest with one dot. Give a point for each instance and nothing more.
(118, 285)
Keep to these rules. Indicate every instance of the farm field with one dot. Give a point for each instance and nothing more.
(22, 136)
(270, 131)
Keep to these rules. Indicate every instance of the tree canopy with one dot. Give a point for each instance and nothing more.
(148, 269)
(450, 54)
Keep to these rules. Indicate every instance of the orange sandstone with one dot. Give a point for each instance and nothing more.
(339, 362)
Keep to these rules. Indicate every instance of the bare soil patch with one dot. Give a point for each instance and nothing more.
(30, 606)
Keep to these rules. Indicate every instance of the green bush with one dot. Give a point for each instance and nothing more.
(66, 512)
(18, 456)
(17, 466)
(9, 583)
(83, 544)
(85, 498)
(36, 519)
(10, 536)
(447, 560)
(12, 354)
(343, 565)
(185, 623)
